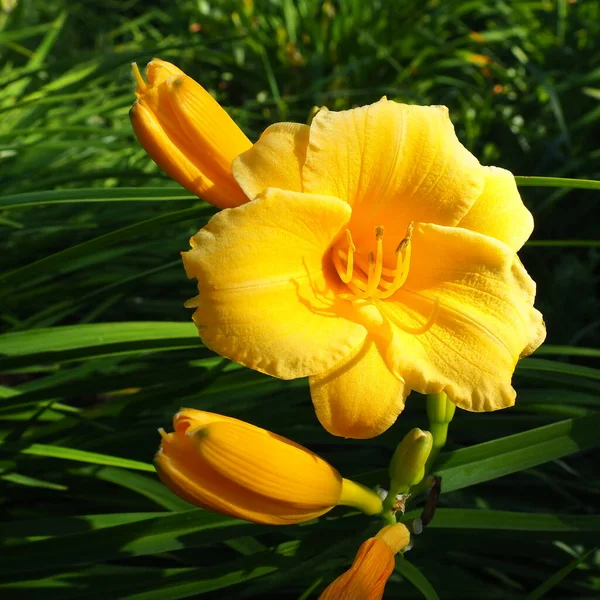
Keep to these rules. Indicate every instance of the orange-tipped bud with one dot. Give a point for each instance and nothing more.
(187, 133)
(237, 469)
(374, 563)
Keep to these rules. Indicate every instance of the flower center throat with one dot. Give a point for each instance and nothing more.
(373, 279)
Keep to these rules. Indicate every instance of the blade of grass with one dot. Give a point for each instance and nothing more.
(76, 342)
(502, 520)
(412, 574)
(557, 577)
(63, 453)
(166, 533)
(483, 462)
(91, 195)
(49, 264)
(559, 182)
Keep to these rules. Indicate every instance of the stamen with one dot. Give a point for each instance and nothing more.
(375, 264)
(353, 272)
(358, 289)
(400, 273)
(407, 237)
(141, 84)
(371, 281)
(350, 258)
(163, 434)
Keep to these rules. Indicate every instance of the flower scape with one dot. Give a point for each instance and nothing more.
(369, 251)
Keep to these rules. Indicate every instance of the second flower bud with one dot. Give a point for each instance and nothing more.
(237, 469)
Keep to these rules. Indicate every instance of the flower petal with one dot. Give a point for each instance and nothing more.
(359, 398)
(499, 212)
(276, 160)
(270, 465)
(366, 578)
(268, 293)
(190, 476)
(394, 164)
(483, 322)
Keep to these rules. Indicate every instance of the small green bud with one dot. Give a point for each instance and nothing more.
(407, 467)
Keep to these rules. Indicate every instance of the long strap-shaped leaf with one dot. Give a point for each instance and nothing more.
(483, 462)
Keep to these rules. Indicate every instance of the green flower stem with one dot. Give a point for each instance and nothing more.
(440, 411)
(388, 517)
(388, 503)
(360, 497)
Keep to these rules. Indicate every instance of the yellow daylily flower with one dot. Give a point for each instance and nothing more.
(372, 567)
(187, 133)
(237, 469)
(377, 257)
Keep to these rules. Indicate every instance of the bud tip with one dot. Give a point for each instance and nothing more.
(141, 84)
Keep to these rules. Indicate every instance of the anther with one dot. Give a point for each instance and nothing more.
(406, 240)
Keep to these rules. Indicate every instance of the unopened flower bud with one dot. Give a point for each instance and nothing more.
(407, 467)
(373, 565)
(237, 469)
(187, 133)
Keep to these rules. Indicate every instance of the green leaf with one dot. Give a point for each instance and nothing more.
(72, 337)
(559, 182)
(139, 583)
(502, 520)
(203, 580)
(150, 487)
(553, 366)
(482, 462)
(91, 195)
(166, 533)
(49, 264)
(61, 526)
(412, 574)
(562, 244)
(567, 351)
(76, 342)
(557, 577)
(32, 481)
(61, 452)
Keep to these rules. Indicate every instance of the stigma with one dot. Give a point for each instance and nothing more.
(373, 280)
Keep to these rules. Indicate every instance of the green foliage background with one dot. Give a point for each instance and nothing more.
(97, 351)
